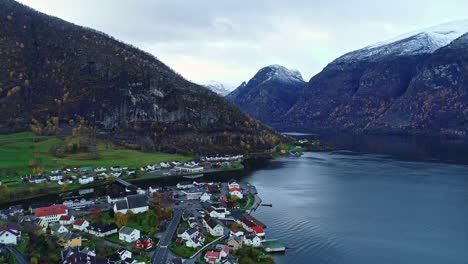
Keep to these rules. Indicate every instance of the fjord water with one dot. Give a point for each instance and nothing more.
(344, 207)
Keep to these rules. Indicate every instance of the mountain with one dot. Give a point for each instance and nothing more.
(413, 84)
(217, 87)
(55, 75)
(269, 94)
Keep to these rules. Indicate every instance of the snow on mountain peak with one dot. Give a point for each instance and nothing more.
(281, 73)
(417, 42)
(217, 87)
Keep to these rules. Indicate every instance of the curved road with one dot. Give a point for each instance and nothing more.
(161, 253)
(19, 257)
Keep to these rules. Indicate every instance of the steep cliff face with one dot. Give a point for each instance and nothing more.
(410, 85)
(269, 94)
(436, 101)
(54, 69)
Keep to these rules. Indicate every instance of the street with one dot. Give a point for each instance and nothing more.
(161, 253)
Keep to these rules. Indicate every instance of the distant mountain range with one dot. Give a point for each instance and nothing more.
(217, 87)
(414, 84)
(55, 74)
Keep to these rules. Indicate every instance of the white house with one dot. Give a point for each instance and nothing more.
(189, 169)
(55, 177)
(55, 171)
(56, 228)
(66, 219)
(196, 241)
(9, 235)
(212, 226)
(188, 234)
(192, 195)
(86, 179)
(206, 197)
(115, 168)
(129, 234)
(102, 230)
(135, 203)
(184, 185)
(100, 169)
(164, 165)
(235, 231)
(236, 192)
(116, 174)
(218, 212)
(80, 224)
(253, 240)
(76, 202)
(153, 189)
(233, 184)
(62, 181)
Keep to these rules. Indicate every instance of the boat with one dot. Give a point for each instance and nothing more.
(193, 176)
(269, 205)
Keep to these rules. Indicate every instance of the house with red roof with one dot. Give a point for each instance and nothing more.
(66, 219)
(216, 256)
(51, 213)
(236, 192)
(144, 242)
(258, 231)
(80, 224)
(9, 235)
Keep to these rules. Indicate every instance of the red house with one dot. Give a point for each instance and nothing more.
(144, 242)
(223, 199)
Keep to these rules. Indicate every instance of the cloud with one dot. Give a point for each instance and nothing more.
(229, 41)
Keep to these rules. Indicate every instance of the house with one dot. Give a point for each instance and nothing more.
(236, 192)
(100, 169)
(116, 174)
(64, 181)
(246, 224)
(144, 242)
(69, 251)
(100, 230)
(38, 180)
(184, 185)
(86, 179)
(51, 213)
(217, 212)
(235, 231)
(216, 256)
(251, 239)
(66, 219)
(206, 197)
(55, 177)
(56, 171)
(85, 170)
(41, 223)
(186, 215)
(128, 234)
(189, 169)
(188, 233)
(9, 235)
(69, 239)
(131, 172)
(235, 242)
(135, 203)
(80, 224)
(223, 199)
(76, 202)
(115, 168)
(164, 165)
(195, 241)
(192, 223)
(213, 189)
(32, 208)
(231, 205)
(192, 195)
(212, 226)
(56, 228)
(233, 184)
(112, 198)
(258, 231)
(124, 253)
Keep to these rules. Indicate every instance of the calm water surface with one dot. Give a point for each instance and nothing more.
(344, 207)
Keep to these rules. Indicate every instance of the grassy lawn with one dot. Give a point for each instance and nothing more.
(182, 250)
(115, 238)
(21, 247)
(249, 203)
(17, 150)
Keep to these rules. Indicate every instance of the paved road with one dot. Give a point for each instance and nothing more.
(161, 253)
(19, 257)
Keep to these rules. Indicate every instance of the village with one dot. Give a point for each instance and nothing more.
(190, 222)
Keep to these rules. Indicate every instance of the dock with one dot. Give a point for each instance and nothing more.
(256, 221)
(273, 245)
(124, 183)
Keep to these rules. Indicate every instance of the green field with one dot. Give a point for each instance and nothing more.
(18, 150)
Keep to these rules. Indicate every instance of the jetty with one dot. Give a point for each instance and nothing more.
(273, 245)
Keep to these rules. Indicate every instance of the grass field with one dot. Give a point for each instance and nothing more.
(17, 151)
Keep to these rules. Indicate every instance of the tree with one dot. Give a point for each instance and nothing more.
(96, 213)
(121, 219)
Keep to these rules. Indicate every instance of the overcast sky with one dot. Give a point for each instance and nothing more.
(230, 40)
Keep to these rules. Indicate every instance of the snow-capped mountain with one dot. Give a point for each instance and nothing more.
(424, 41)
(217, 87)
(269, 94)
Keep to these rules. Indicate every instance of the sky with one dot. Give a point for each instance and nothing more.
(230, 40)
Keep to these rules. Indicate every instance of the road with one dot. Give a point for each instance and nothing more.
(19, 257)
(161, 253)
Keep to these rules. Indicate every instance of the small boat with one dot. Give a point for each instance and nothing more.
(269, 205)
